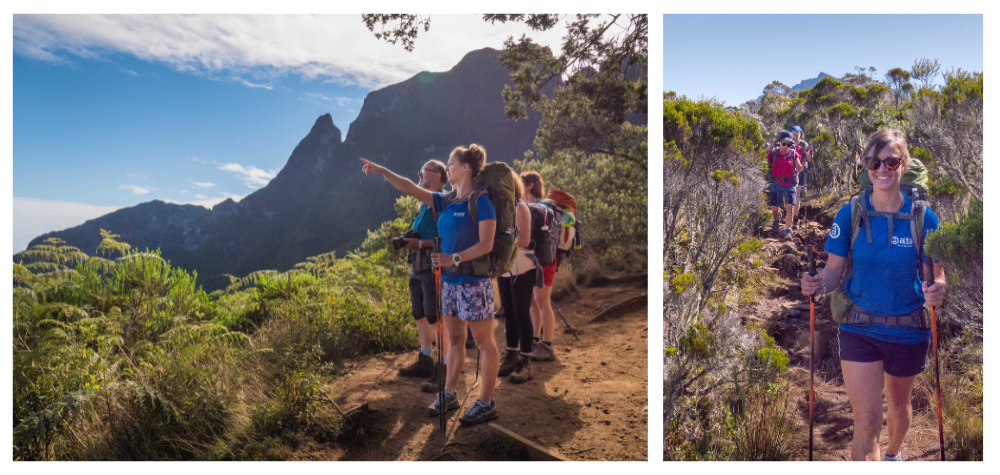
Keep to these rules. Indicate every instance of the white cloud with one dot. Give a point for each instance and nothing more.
(208, 202)
(184, 191)
(33, 217)
(253, 177)
(139, 190)
(203, 184)
(196, 159)
(201, 196)
(318, 95)
(253, 49)
(129, 72)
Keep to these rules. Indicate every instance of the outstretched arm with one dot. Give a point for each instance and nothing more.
(401, 183)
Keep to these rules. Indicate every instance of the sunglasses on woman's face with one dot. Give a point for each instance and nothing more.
(891, 163)
(786, 144)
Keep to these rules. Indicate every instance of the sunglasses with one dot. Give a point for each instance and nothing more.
(786, 144)
(891, 163)
(426, 170)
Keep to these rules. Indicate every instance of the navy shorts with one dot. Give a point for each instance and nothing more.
(900, 359)
(423, 296)
(781, 195)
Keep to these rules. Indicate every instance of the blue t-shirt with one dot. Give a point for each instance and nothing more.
(884, 280)
(424, 224)
(459, 232)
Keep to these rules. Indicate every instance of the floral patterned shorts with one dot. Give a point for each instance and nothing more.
(472, 302)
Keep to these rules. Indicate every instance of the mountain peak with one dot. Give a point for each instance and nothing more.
(323, 125)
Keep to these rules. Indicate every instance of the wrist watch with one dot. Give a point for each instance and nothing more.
(457, 258)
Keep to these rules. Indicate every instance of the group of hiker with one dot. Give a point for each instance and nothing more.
(493, 223)
(883, 287)
(788, 162)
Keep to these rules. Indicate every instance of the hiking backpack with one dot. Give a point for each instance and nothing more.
(567, 236)
(769, 176)
(912, 184)
(496, 181)
(543, 220)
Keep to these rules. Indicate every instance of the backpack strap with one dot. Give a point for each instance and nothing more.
(856, 212)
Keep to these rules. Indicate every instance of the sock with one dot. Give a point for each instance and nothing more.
(426, 350)
(547, 343)
(536, 340)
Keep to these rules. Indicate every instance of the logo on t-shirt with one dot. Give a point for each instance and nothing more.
(902, 241)
(460, 214)
(835, 231)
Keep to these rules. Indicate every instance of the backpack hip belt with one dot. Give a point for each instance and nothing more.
(858, 316)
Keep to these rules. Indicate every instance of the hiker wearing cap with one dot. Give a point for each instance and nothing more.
(884, 330)
(784, 162)
(543, 319)
(423, 295)
(467, 300)
(806, 154)
(516, 294)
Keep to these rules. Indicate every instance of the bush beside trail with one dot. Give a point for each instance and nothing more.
(723, 276)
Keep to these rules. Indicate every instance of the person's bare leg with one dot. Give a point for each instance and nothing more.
(775, 214)
(425, 332)
(863, 382)
(456, 350)
(789, 215)
(482, 332)
(543, 297)
(897, 394)
(536, 316)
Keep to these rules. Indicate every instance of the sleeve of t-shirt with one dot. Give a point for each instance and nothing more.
(438, 202)
(486, 209)
(838, 242)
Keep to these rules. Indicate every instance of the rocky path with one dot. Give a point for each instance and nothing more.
(589, 404)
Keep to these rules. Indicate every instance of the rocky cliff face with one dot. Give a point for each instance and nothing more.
(320, 201)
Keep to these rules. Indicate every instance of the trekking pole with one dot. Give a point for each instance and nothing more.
(812, 347)
(937, 368)
(564, 321)
(442, 406)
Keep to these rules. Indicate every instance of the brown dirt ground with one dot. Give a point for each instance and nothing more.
(785, 312)
(589, 404)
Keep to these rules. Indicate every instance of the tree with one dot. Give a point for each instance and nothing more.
(925, 70)
(406, 29)
(897, 79)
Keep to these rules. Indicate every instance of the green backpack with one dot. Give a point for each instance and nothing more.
(913, 184)
(496, 181)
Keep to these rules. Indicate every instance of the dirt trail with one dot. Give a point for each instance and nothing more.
(589, 404)
(785, 312)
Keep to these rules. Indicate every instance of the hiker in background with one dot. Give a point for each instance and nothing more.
(883, 344)
(423, 295)
(568, 235)
(784, 162)
(543, 319)
(805, 153)
(516, 293)
(467, 301)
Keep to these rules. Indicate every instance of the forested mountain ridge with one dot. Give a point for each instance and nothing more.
(320, 201)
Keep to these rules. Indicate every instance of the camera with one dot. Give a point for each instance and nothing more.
(399, 242)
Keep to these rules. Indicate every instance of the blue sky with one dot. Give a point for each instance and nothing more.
(112, 111)
(732, 57)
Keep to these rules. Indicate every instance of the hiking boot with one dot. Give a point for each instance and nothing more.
(478, 413)
(450, 403)
(508, 364)
(421, 368)
(543, 353)
(431, 385)
(892, 458)
(786, 233)
(522, 373)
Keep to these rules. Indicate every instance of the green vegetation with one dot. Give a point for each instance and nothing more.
(123, 357)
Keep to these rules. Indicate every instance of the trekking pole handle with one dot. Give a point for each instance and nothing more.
(812, 262)
(437, 244)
